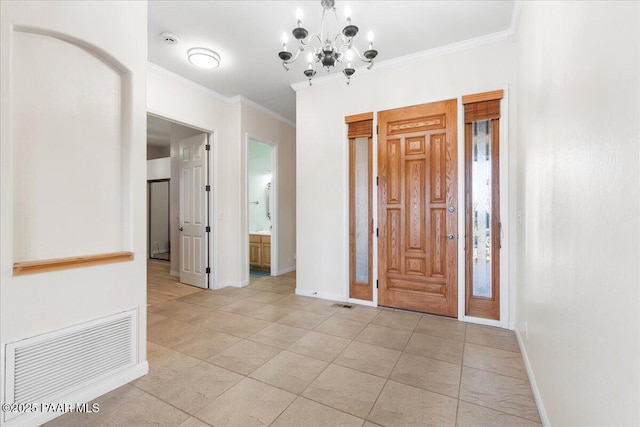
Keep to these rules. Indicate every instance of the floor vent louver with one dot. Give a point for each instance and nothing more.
(45, 368)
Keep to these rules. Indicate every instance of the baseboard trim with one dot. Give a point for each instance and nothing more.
(485, 322)
(532, 380)
(285, 270)
(174, 274)
(232, 284)
(323, 295)
(83, 396)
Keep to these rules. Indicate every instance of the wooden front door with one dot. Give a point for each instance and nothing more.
(417, 202)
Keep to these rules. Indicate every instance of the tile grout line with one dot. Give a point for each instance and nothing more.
(462, 365)
(311, 382)
(502, 412)
(386, 381)
(164, 401)
(464, 344)
(308, 330)
(390, 373)
(350, 341)
(328, 364)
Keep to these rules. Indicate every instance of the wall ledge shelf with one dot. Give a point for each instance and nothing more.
(42, 266)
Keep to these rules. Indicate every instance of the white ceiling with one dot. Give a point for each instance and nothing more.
(247, 34)
(161, 131)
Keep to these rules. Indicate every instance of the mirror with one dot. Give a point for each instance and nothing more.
(159, 244)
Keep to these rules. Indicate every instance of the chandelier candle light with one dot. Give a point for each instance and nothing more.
(328, 51)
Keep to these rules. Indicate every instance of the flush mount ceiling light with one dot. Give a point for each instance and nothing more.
(204, 58)
(327, 50)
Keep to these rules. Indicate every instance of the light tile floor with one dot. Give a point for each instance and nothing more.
(261, 355)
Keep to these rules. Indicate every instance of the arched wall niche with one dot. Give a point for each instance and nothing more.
(71, 146)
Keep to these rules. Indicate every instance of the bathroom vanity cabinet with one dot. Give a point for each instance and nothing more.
(260, 251)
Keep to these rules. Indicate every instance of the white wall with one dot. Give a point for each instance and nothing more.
(262, 126)
(159, 168)
(114, 33)
(578, 208)
(258, 176)
(156, 152)
(322, 155)
(179, 100)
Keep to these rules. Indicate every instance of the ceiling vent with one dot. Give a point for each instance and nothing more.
(170, 38)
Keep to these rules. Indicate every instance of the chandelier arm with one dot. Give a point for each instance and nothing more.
(322, 26)
(347, 43)
(311, 36)
(292, 60)
(363, 59)
(345, 40)
(305, 46)
(302, 46)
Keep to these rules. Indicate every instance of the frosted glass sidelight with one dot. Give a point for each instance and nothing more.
(481, 167)
(361, 202)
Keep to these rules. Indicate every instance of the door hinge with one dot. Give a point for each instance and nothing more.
(376, 232)
(207, 270)
(377, 180)
(207, 147)
(207, 229)
(377, 284)
(207, 188)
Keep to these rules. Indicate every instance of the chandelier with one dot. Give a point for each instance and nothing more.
(325, 50)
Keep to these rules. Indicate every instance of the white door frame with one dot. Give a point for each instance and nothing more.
(274, 205)
(212, 166)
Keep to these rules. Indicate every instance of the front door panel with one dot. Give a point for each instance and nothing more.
(417, 202)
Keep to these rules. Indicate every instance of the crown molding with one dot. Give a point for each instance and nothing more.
(418, 56)
(187, 82)
(226, 99)
(515, 19)
(245, 101)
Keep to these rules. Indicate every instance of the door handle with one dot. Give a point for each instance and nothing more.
(180, 229)
(451, 236)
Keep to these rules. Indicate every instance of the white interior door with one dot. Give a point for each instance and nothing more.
(193, 179)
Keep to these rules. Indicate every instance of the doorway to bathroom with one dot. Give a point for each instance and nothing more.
(261, 207)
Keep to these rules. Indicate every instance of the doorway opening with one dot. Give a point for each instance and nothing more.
(261, 207)
(178, 172)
